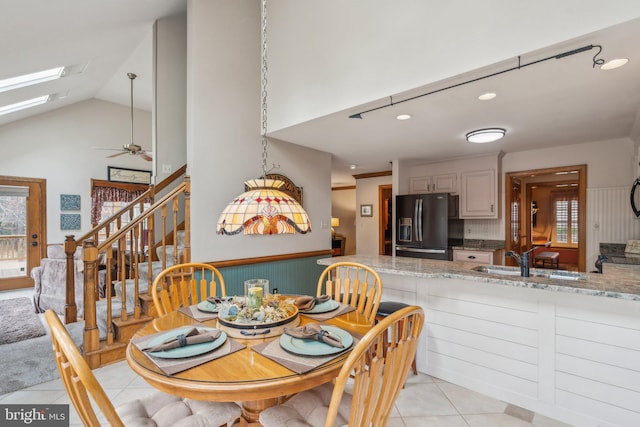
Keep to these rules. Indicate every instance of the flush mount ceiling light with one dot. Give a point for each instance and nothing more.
(614, 63)
(519, 66)
(487, 96)
(403, 116)
(482, 136)
(352, 167)
(264, 208)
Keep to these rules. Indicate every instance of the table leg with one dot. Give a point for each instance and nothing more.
(251, 409)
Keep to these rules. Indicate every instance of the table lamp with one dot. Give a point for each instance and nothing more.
(335, 222)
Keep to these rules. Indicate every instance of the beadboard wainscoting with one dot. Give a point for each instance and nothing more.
(291, 276)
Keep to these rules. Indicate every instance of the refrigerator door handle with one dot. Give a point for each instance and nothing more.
(420, 220)
(415, 219)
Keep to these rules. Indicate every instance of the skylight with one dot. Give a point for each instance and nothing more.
(31, 79)
(11, 108)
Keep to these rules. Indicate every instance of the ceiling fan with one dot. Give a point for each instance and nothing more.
(131, 148)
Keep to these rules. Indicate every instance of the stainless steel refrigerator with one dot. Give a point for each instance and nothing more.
(427, 225)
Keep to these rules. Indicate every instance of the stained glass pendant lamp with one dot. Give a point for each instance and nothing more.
(264, 208)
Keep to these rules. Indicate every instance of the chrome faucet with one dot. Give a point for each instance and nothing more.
(524, 260)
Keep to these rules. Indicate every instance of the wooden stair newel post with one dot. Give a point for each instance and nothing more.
(186, 251)
(70, 308)
(91, 334)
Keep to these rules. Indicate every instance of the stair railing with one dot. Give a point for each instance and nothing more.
(124, 257)
(108, 227)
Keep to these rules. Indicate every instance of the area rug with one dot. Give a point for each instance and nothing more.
(30, 362)
(19, 321)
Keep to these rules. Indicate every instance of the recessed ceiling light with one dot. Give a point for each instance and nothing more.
(482, 136)
(487, 96)
(352, 167)
(31, 79)
(403, 116)
(614, 63)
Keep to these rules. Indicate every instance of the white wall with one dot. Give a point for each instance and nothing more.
(223, 135)
(170, 94)
(327, 56)
(60, 146)
(367, 231)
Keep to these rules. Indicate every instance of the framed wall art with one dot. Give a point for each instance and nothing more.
(366, 210)
(69, 221)
(133, 176)
(69, 202)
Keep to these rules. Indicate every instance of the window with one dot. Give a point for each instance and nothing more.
(110, 208)
(566, 220)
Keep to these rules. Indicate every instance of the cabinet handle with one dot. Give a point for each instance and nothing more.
(471, 257)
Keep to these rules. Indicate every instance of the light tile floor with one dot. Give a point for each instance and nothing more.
(424, 402)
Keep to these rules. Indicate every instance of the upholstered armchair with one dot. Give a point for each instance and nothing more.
(50, 279)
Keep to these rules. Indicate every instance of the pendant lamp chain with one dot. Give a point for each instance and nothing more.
(263, 82)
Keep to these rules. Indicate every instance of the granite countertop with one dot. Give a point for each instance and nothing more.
(614, 253)
(480, 245)
(613, 286)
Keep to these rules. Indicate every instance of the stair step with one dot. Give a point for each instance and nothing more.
(106, 354)
(125, 329)
(147, 305)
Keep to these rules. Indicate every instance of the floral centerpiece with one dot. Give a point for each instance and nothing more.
(275, 308)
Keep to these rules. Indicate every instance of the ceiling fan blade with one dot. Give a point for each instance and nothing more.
(116, 155)
(145, 156)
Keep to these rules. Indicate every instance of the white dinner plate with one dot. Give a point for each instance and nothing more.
(316, 348)
(189, 350)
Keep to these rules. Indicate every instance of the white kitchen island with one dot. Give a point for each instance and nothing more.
(566, 349)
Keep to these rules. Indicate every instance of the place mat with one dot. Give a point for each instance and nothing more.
(298, 364)
(193, 312)
(321, 317)
(173, 366)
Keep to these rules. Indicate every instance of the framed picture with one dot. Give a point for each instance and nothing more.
(69, 202)
(133, 176)
(366, 210)
(69, 221)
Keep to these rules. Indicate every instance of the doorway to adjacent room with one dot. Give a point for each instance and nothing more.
(548, 206)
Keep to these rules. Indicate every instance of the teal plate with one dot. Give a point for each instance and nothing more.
(189, 350)
(207, 307)
(316, 348)
(323, 307)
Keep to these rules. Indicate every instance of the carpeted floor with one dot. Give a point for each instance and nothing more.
(18, 321)
(31, 362)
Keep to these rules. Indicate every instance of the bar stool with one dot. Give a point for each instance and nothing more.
(385, 309)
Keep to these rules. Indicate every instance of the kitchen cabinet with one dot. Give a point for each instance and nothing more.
(490, 257)
(478, 194)
(442, 183)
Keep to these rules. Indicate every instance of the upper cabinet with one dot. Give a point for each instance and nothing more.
(443, 183)
(478, 194)
(476, 179)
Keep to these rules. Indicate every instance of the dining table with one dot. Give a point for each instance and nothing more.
(244, 374)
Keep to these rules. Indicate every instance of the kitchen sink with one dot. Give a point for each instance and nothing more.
(534, 272)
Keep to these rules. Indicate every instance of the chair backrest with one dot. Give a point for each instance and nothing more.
(78, 379)
(186, 284)
(378, 375)
(354, 284)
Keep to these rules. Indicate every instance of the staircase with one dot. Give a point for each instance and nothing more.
(128, 253)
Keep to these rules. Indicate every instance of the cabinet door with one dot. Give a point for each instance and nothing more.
(419, 184)
(445, 183)
(478, 194)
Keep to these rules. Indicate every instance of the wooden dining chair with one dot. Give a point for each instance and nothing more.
(378, 377)
(157, 409)
(186, 284)
(353, 284)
